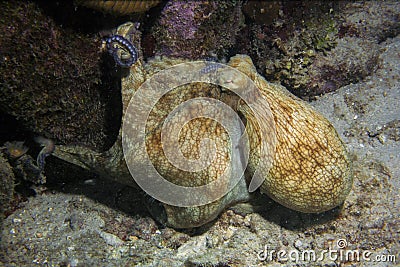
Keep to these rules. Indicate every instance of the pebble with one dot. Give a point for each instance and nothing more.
(133, 238)
(90, 182)
(111, 239)
(16, 220)
(73, 262)
(298, 244)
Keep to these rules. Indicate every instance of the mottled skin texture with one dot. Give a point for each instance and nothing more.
(311, 171)
(195, 130)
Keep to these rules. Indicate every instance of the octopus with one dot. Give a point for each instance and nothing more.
(269, 141)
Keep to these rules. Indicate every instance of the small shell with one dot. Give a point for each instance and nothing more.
(122, 7)
(15, 149)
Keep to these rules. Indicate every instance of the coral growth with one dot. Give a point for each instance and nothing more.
(194, 29)
(285, 49)
(316, 47)
(262, 12)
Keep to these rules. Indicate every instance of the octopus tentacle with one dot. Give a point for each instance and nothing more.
(116, 43)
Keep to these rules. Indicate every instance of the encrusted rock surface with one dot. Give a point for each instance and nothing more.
(197, 29)
(317, 47)
(51, 77)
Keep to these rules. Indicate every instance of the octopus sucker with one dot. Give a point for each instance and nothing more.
(115, 46)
